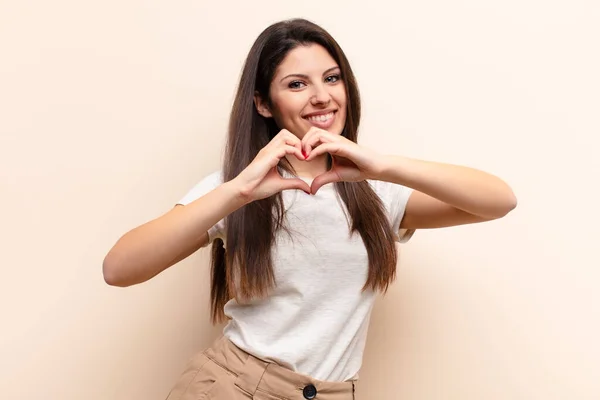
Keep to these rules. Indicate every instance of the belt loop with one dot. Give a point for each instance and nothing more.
(251, 375)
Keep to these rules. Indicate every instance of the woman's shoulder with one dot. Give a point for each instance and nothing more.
(206, 184)
(386, 189)
(215, 176)
(210, 180)
(391, 194)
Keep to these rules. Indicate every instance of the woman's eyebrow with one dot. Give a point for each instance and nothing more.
(306, 76)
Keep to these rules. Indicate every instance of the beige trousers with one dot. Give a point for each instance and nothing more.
(225, 372)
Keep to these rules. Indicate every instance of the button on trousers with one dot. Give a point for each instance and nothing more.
(226, 372)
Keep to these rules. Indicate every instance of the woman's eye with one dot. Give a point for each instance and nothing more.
(295, 85)
(332, 78)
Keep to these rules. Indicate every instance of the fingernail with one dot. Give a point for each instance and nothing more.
(304, 154)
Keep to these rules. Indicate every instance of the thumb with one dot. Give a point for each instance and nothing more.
(323, 179)
(294, 183)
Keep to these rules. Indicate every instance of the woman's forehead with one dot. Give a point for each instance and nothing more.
(306, 60)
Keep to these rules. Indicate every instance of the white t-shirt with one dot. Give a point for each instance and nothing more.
(315, 320)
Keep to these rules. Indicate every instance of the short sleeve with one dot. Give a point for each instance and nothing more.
(206, 185)
(395, 197)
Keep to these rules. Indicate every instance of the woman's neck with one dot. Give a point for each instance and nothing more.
(308, 169)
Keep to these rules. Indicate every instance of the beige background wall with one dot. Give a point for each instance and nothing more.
(110, 111)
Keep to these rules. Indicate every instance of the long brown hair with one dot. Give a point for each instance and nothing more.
(245, 270)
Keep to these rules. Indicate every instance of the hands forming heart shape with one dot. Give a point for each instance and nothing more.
(351, 163)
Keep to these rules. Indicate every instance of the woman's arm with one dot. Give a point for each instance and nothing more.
(446, 194)
(149, 249)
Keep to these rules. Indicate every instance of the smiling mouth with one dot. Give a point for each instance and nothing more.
(323, 121)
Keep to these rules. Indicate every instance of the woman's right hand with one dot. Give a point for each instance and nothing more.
(260, 179)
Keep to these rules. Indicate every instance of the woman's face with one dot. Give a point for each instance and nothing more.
(307, 90)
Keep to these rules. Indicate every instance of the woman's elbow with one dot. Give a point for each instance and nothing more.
(112, 272)
(509, 204)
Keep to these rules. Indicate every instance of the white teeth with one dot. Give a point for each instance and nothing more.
(321, 118)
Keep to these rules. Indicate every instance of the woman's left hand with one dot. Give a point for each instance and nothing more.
(351, 162)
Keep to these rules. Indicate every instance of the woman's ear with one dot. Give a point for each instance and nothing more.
(261, 106)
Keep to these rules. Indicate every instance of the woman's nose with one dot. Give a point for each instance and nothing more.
(320, 96)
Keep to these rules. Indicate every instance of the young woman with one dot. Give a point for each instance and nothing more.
(303, 223)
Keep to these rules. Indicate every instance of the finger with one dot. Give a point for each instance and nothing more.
(289, 138)
(315, 137)
(294, 183)
(323, 179)
(285, 136)
(292, 139)
(332, 148)
(310, 140)
(289, 149)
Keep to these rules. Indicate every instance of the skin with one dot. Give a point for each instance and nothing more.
(444, 194)
(307, 82)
